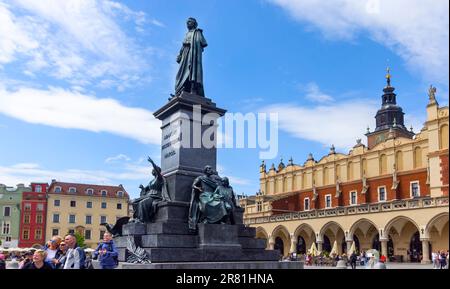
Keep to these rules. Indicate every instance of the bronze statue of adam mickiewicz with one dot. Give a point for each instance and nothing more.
(190, 74)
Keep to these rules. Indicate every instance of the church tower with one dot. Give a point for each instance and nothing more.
(389, 119)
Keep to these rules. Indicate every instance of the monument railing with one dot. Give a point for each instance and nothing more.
(396, 205)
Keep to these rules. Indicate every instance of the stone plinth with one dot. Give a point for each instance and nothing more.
(218, 237)
(172, 242)
(183, 153)
(269, 265)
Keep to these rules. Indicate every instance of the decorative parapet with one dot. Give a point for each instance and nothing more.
(418, 203)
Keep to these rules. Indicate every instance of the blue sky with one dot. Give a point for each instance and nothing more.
(79, 80)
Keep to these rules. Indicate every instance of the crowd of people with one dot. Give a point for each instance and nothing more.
(64, 253)
(439, 259)
(355, 259)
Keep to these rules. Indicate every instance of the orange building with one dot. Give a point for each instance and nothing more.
(391, 195)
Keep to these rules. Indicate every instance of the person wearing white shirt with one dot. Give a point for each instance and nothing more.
(434, 260)
(74, 256)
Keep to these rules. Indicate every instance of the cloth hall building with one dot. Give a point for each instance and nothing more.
(391, 195)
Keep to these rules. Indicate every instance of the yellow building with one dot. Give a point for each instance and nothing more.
(391, 195)
(82, 207)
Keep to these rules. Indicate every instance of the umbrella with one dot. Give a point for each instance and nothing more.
(14, 249)
(334, 250)
(313, 250)
(352, 249)
(373, 253)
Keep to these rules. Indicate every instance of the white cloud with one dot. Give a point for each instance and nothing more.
(78, 41)
(416, 121)
(416, 30)
(139, 17)
(157, 23)
(314, 94)
(222, 171)
(338, 123)
(71, 109)
(26, 173)
(25, 166)
(12, 37)
(119, 157)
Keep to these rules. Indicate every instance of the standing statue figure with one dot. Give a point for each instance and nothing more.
(190, 74)
(432, 94)
(156, 191)
(212, 200)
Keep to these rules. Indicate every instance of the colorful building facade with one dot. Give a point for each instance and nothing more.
(391, 195)
(82, 208)
(33, 216)
(10, 208)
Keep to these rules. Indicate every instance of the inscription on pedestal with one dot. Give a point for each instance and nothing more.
(171, 141)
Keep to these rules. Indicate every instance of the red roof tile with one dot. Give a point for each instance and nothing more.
(81, 189)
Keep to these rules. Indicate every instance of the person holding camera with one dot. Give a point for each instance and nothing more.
(106, 252)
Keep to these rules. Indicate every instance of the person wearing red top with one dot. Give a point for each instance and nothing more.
(383, 259)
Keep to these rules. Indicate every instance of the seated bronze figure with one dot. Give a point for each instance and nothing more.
(145, 206)
(212, 200)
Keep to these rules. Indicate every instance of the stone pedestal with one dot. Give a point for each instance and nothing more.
(266, 265)
(220, 237)
(183, 152)
(168, 242)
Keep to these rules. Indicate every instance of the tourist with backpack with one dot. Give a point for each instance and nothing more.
(106, 252)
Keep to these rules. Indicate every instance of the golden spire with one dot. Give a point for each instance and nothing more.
(388, 76)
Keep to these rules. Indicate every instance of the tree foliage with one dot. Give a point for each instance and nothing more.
(80, 240)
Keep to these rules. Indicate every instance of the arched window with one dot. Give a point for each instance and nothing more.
(364, 166)
(443, 135)
(304, 180)
(315, 178)
(326, 176)
(417, 157)
(301, 245)
(279, 245)
(90, 192)
(399, 161)
(279, 185)
(383, 165)
(350, 171)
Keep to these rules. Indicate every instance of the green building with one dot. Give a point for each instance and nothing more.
(10, 200)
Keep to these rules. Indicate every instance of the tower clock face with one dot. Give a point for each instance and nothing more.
(380, 138)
